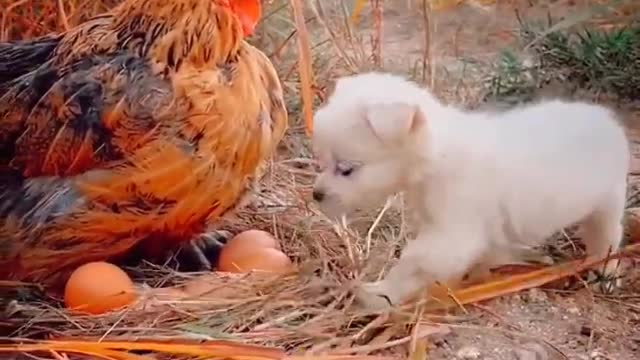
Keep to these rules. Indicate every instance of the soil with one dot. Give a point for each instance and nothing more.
(538, 324)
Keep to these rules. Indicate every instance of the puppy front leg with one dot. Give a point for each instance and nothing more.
(432, 256)
(405, 278)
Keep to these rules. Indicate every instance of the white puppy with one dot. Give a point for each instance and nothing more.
(479, 184)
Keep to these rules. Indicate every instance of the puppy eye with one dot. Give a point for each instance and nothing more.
(346, 172)
(344, 169)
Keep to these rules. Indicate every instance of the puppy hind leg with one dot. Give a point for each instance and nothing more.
(602, 235)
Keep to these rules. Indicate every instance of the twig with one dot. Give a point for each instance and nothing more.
(376, 222)
(427, 66)
(304, 64)
(377, 38)
(63, 16)
(3, 30)
(370, 348)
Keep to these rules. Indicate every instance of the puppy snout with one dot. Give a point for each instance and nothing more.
(318, 195)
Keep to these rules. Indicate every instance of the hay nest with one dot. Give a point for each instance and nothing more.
(310, 311)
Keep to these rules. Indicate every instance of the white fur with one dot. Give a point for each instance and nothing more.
(479, 184)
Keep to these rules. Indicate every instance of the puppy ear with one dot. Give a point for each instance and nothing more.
(394, 122)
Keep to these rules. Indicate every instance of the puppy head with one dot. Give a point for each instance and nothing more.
(366, 140)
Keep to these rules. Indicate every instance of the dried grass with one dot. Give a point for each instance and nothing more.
(308, 313)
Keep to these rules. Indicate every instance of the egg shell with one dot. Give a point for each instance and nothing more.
(257, 238)
(199, 286)
(209, 286)
(260, 259)
(98, 287)
(169, 293)
(243, 244)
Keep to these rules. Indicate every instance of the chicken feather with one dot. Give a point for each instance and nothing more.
(137, 129)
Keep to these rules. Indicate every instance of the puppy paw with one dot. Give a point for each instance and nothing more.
(373, 297)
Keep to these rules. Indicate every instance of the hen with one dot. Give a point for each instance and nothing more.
(131, 133)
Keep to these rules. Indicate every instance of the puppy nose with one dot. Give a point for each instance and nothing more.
(318, 195)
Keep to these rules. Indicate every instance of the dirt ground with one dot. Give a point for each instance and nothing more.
(538, 324)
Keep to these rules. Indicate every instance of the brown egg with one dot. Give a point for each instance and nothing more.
(169, 293)
(239, 260)
(245, 243)
(198, 287)
(158, 297)
(209, 286)
(253, 238)
(98, 287)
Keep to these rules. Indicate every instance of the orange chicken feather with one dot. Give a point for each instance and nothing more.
(130, 134)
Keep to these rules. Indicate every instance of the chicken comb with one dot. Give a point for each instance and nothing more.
(248, 12)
